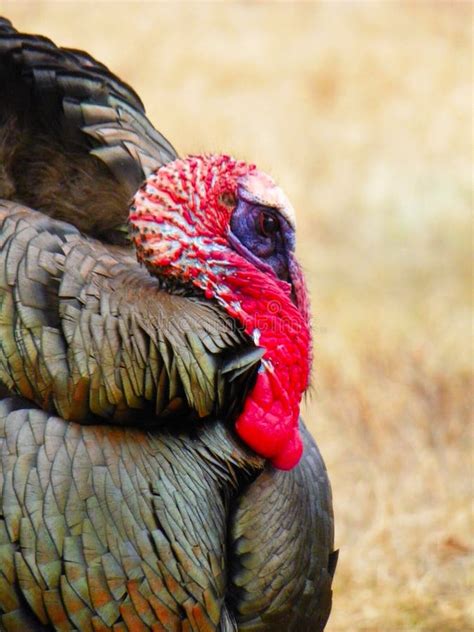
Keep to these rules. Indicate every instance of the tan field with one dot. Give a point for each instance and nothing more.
(363, 112)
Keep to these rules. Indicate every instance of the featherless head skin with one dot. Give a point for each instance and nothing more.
(228, 229)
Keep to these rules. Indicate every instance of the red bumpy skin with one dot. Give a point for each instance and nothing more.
(179, 223)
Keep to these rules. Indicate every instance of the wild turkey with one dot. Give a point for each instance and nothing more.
(129, 502)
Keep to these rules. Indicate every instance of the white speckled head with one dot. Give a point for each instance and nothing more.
(259, 188)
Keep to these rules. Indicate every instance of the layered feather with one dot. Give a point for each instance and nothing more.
(75, 142)
(86, 332)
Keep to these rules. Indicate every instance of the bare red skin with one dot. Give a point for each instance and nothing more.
(269, 420)
(179, 224)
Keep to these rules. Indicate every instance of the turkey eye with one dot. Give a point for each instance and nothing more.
(268, 224)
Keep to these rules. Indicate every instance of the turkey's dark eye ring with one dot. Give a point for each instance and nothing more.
(267, 224)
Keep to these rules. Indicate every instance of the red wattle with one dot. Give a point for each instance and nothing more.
(263, 423)
(291, 453)
(269, 420)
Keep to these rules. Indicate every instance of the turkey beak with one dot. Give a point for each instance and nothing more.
(299, 293)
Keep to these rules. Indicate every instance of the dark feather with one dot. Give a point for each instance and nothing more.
(74, 140)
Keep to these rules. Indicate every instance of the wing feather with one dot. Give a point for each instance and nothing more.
(87, 333)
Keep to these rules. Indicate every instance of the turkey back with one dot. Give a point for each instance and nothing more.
(74, 140)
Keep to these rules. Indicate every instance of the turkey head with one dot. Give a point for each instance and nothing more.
(222, 226)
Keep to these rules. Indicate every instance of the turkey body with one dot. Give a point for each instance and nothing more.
(126, 500)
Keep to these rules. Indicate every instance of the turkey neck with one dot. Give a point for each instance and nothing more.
(180, 225)
(269, 419)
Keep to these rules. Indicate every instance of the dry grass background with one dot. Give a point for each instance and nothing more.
(363, 112)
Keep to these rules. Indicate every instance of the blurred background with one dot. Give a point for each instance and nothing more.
(363, 113)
